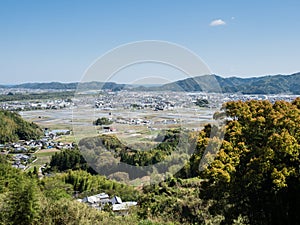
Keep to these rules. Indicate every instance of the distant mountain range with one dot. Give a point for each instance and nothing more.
(276, 84)
(67, 86)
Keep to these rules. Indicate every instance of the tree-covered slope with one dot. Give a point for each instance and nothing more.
(287, 84)
(13, 128)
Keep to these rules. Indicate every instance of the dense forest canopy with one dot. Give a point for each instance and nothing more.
(255, 174)
(68, 160)
(108, 155)
(13, 128)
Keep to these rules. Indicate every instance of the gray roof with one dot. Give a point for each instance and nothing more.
(116, 200)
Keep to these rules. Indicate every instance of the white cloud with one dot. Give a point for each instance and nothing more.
(218, 22)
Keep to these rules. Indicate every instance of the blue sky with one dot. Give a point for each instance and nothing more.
(57, 40)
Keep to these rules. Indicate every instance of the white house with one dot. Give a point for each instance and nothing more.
(100, 200)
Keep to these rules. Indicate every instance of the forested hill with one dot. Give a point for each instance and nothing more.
(69, 86)
(262, 85)
(278, 84)
(13, 128)
(275, 84)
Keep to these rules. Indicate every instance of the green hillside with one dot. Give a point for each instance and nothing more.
(278, 84)
(13, 128)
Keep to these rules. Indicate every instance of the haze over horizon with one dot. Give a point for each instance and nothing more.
(58, 40)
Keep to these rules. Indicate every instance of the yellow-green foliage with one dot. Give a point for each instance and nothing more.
(256, 171)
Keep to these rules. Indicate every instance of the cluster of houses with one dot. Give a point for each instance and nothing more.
(47, 142)
(272, 97)
(21, 161)
(168, 100)
(36, 105)
(141, 100)
(138, 121)
(102, 200)
(133, 121)
(21, 151)
(148, 123)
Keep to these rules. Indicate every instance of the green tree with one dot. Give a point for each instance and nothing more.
(102, 121)
(256, 171)
(20, 202)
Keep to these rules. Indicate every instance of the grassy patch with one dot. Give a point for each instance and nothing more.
(43, 156)
(66, 138)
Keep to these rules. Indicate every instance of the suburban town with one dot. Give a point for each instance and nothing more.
(129, 115)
